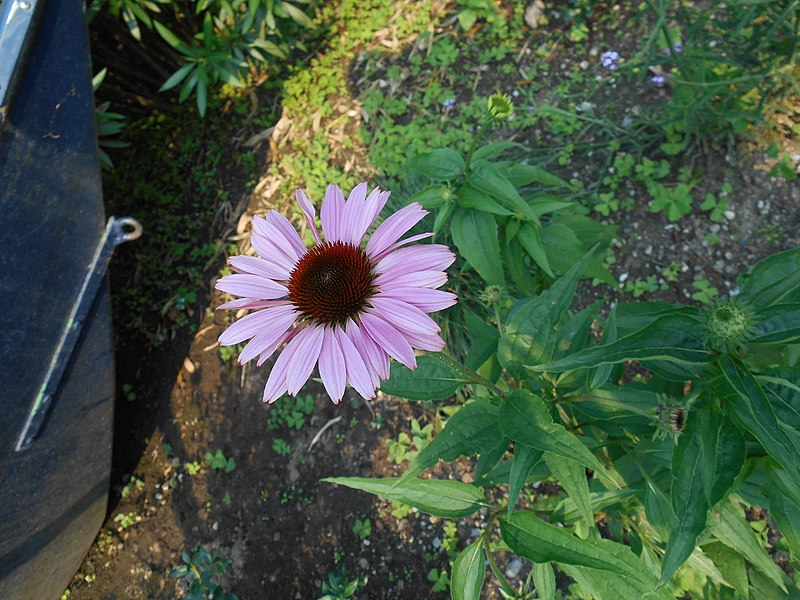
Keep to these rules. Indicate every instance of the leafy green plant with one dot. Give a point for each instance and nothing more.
(362, 528)
(219, 462)
(109, 125)
(440, 579)
(400, 450)
(281, 447)
(204, 572)
(469, 11)
(291, 412)
(705, 292)
(338, 587)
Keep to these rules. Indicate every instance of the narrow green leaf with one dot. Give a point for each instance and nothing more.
(177, 77)
(529, 237)
(528, 337)
(298, 15)
(787, 515)
(487, 177)
(525, 459)
(469, 571)
(730, 564)
(495, 149)
(729, 526)
(779, 323)
(524, 418)
(572, 477)
(675, 338)
(431, 380)
(442, 164)
(449, 499)
(469, 197)
(475, 235)
(169, 37)
(520, 272)
(544, 581)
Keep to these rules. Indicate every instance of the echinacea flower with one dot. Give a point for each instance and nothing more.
(346, 305)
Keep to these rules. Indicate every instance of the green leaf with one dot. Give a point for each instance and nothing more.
(530, 239)
(752, 410)
(513, 255)
(177, 77)
(298, 15)
(544, 580)
(730, 564)
(779, 323)
(495, 149)
(525, 459)
(169, 37)
(475, 235)
(469, 197)
(572, 477)
(484, 339)
(487, 177)
(787, 516)
(773, 280)
(467, 18)
(449, 499)
(442, 164)
(524, 418)
(675, 338)
(469, 571)
(541, 542)
(729, 526)
(528, 336)
(429, 197)
(431, 380)
(472, 429)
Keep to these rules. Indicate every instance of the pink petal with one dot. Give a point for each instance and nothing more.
(309, 344)
(287, 229)
(402, 315)
(394, 227)
(253, 324)
(424, 341)
(388, 338)
(280, 318)
(251, 286)
(426, 257)
(310, 213)
(332, 368)
(240, 303)
(393, 247)
(275, 237)
(270, 350)
(352, 211)
(276, 383)
(373, 356)
(332, 214)
(270, 253)
(422, 279)
(357, 371)
(423, 298)
(372, 208)
(257, 266)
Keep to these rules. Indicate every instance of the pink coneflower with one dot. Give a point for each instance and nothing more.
(345, 306)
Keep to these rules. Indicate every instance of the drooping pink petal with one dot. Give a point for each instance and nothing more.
(258, 266)
(284, 339)
(274, 236)
(395, 226)
(405, 242)
(309, 212)
(276, 383)
(274, 326)
(356, 364)
(270, 253)
(240, 303)
(388, 338)
(424, 341)
(251, 286)
(309, 344)
(287, 229)
(426, 257)
(251, 325)
(423, 298)
(369, 351)
(353, 209)
(332, 369)
(423, 279)
(332, 214)
(403, 315)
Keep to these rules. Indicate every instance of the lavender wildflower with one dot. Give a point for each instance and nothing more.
(609, 60)
(449, 103)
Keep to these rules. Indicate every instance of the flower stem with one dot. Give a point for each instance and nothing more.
(471, 375)
(478, 137)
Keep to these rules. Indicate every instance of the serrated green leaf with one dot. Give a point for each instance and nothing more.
(475, 235)
(449, 499)
(524, 418)
(431, 380)
(469, 571)
(471, 430)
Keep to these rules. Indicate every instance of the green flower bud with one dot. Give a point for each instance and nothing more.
(500, 106)
(729, 324)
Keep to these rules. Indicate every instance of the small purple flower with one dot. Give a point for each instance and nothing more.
(449, 103)
(659, 79)
(609, 60)
(677, 47)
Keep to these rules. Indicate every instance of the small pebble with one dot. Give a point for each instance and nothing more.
(513, 568)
